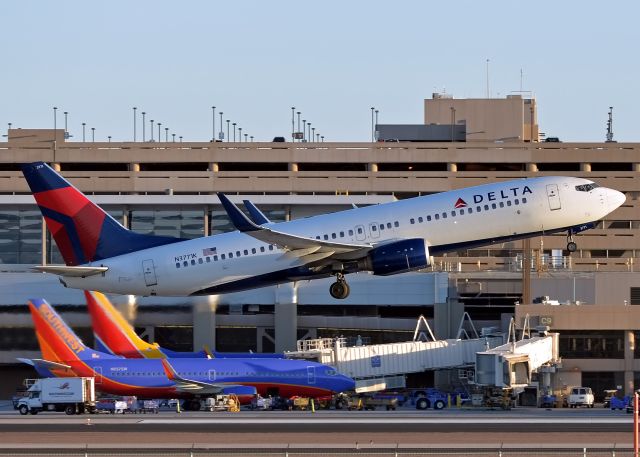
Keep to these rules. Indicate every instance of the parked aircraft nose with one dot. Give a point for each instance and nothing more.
(615, 199)
(346, 384)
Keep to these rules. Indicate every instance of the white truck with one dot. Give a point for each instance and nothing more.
(580, 396)
(71, 395)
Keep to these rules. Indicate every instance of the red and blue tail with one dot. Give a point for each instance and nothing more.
(82, 230)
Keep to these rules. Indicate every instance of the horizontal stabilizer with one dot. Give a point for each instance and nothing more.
(73, 271)
(47, 364)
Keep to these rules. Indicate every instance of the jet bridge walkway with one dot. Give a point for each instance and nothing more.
(383, 366)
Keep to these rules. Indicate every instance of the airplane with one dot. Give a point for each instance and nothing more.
(65, 355)
(114, 335)
(386, 239)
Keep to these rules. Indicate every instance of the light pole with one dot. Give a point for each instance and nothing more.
(228, 130)
(304, 130)
(322, 138)
(240, 134)
(372, 112)
(151, 132)
(65, 124)
(375, 136)
(221, 135)
(317, 137)
(252, 138)
(293, 125)
(174, 137)
(134, 123)
(245, 137)
(144, 126)
(234, 132)
(83, 126)
(313, 134)
(55, 120)
(109, 138)
(159, 139)
(180, 138)
(309, 137)
(213, 124)
(298, 113)
(453, 121)
(166, 134)
(93, 134)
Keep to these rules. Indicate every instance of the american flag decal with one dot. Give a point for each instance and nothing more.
(209, 251)
(460, 203)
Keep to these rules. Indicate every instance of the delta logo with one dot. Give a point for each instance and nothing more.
(460, 204)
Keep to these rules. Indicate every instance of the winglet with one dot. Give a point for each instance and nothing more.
(169, 371)
(238, 218)
(257, 215)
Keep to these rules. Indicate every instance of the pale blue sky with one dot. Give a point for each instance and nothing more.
(331, 59)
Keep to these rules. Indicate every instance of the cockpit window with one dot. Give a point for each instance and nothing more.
(586, 187)
(331, 372)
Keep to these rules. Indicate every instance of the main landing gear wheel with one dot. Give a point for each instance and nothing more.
(339, 289)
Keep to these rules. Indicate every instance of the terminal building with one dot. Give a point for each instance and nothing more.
(168, 188)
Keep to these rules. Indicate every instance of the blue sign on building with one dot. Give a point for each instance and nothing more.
(376, 361)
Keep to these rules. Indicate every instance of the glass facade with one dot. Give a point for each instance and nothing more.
(591, 344)
(180, 223)
(20, 236)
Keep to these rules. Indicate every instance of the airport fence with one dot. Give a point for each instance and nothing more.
(503, 451)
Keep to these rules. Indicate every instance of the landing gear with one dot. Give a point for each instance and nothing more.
(339, 289)
(571, 246)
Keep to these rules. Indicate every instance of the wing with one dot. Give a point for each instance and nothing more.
(202, 388)
(299, 246)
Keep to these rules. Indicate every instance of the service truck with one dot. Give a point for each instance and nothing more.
(71, 395)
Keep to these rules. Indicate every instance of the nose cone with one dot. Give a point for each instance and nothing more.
(615, 199)
(347, 384)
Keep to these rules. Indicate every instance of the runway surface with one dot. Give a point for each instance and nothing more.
(521, 426)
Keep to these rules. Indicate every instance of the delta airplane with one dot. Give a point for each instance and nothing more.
(65, 355)
(100, 254)
(114, 335)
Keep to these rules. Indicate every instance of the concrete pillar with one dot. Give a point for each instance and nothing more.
(204, 322)
(532, 167)
(214, 167)
(629, 349)
(372, 167)
(56, 166)
(452, 167)
(135, 167)
(636, 167)
(585, 167)
(293, 167)
(286, 317)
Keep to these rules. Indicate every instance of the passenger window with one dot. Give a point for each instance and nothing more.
(333, 235)
(359, 231)
(486, 207)
(478, 209)
(444, 215)
(493, 205)
(341, 234)
(200, 261)
(428, 218)
(524, 200)
(461, 212)
(215, 258)
(422, 220)
(326, 237)
(208, 259)
(501, 204)
(185, 264)
(396, 224)
(350, 232)
(231, 255)
(318, 237)
(253, 250)
(469, 210)
(178, 265)
(222, 256)
(453, 214)
(381, 226)
(261, 249)
(246, 252)
(412, 221)
(516, 201)
(389, 225)
(508, 202)
(374, 228)
(271, 247)
(193, 262)
(237, 253)
(437, 216)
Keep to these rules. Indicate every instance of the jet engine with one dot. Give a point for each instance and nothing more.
(398, 257)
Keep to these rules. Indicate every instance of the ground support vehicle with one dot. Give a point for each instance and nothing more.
(429, 398)
(71, 395)
(499, 397)
(148, 406)
(223, 402)
(549, 401)
(581, 396)
(365, 402)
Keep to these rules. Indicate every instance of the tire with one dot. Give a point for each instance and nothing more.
(572, 247)
(438, 404)
(422, 403)
(195, 405)
(70, 410)
(339, 290)
(23, 409)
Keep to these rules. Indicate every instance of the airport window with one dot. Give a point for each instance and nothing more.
(412, 221)
(246, 252)
(253, 250)
(178, 265)
(428, 219)
(524, 200)
(508, 202)
(222, 256)
(389, 225)
(350, 232)
(437, 216)
(193, 262)
(200, 261)
(261, 248)
(501, 204)
(326, 237)
(341, 234)
(516, 201)
(396, 224)
(494, 206)
(587, 344)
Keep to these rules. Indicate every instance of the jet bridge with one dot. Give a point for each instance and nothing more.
(383, 366)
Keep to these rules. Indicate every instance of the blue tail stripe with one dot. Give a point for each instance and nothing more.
(42, 178)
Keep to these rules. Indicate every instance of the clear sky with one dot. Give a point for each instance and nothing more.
(331, 59)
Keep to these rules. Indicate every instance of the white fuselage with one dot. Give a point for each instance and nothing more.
(474, 216)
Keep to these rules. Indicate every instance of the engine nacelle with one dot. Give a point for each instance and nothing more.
(398, 257)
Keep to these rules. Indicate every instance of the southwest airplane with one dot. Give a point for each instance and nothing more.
(65, 355)
(114, 335)
(100, 254)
